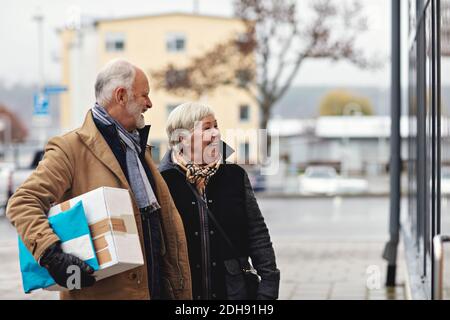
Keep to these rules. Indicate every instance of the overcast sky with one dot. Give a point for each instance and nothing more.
(18, 35)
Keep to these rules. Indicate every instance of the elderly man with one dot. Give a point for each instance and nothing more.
(108, 150)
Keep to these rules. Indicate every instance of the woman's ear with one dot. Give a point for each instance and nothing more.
(184, 140)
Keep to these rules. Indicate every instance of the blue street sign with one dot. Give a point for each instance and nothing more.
(40, 104)
(54, 89)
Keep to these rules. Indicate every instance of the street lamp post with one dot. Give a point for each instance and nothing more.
(39, 19)
(391, 248)
(41, 127)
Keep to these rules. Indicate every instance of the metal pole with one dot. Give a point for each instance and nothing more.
(390, 251)
(39, 18)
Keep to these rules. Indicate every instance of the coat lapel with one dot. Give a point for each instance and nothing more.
(94, 140)
(162, 191)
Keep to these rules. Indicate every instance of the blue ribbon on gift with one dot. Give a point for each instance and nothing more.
(67, 225)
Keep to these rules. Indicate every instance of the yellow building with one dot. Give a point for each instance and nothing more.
(151, 42)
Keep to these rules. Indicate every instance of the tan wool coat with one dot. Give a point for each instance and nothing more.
(76, 163)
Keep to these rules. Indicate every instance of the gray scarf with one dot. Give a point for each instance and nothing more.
(139, 183)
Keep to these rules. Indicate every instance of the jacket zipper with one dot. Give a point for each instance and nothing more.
(145, 251)
(205, 246)
(207, 249)
(205, 252)
(152, 274)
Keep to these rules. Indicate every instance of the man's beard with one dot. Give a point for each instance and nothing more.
(135, 110)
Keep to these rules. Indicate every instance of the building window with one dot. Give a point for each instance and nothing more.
(244, 152)
(177, 78)
(115, 42)
(176, 42)
(245, 42)
(243, 37)
(156, 151)
(244, 77)
(244, 113)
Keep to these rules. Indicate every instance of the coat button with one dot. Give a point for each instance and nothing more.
(193, 202)
(196, 234)
(211, 232)
(214, 295)
(197, 266)
(214, 264)
(199, 297)
(210, 201)
(132, 276)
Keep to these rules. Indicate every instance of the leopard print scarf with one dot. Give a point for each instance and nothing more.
(198, 175)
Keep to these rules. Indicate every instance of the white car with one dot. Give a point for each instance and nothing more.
(4, 189)
(353, 185)
(12, 177)
(325, 180)
(319, 180)
(17, 178)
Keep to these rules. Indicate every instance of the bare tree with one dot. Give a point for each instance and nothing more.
(267, 57)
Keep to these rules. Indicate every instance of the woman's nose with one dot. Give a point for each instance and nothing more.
(215, 133)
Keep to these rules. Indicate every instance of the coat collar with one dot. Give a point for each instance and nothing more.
(167, 163)
(96, 143)
(111, 131)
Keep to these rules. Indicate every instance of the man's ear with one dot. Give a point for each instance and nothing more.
(120, 95)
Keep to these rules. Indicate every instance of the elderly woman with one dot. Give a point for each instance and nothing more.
(222, 220)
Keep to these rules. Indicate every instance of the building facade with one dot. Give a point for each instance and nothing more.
(152, 42)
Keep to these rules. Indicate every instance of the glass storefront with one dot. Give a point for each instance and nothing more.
(428, 148)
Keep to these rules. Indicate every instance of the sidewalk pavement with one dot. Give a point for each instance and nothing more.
(325, 248)
(310, 270)
(335, 270)
(10, 278)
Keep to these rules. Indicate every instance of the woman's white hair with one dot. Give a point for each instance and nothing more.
(184, 117)
(116, 73)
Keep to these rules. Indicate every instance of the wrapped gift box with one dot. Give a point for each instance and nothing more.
(109, 213)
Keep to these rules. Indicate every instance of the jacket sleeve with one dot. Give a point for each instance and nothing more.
(260, 247)
(27, 208)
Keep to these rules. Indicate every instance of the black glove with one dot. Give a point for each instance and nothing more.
(57, 263)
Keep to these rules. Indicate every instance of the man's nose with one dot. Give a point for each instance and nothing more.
(149, 103)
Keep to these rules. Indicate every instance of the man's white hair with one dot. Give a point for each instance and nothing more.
(116, 73)
(184, 117)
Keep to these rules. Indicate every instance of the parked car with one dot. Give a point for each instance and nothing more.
(257, 180)
(5, 173)
(11, 178)
(325, 180)
(16, 178)
(352, 185)
(319, 180)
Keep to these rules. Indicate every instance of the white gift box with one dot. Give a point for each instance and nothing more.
(112, 224)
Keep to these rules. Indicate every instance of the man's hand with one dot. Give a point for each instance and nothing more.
(58, 263)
